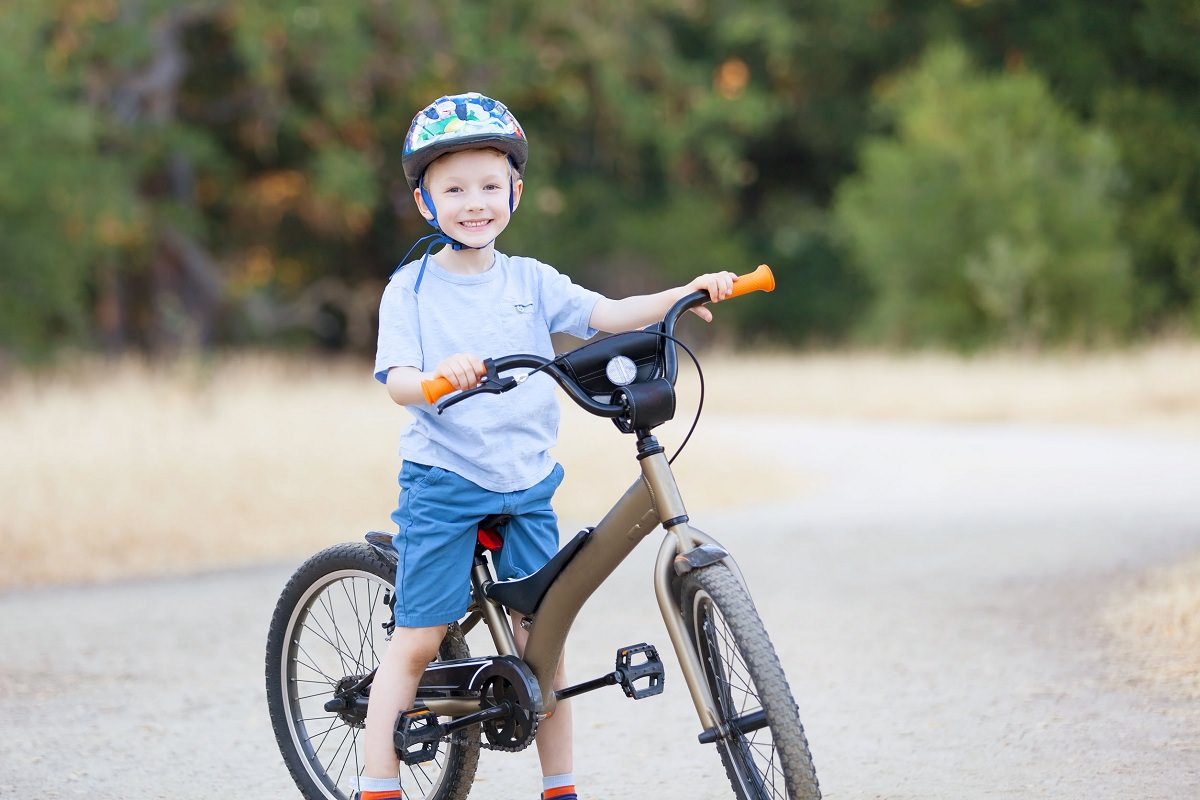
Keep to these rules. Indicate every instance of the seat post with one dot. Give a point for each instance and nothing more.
(492, 612)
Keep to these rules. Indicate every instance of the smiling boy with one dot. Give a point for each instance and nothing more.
(464, 159)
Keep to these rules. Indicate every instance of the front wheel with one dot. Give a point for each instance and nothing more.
(327, 634)
(764, 749)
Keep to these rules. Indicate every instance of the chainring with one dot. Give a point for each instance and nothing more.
(517, 690)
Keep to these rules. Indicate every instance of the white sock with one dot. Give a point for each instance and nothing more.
(558, 781)
(366, 784)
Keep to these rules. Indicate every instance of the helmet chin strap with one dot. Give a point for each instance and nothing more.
(441, 237)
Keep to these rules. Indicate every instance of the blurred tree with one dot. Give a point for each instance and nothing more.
(1133, 67)
(990, 216)
(64, 207)
(242, 159)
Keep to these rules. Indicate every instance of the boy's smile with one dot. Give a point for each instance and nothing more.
(475, 224)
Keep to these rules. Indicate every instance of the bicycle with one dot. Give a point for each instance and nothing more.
(336, 611)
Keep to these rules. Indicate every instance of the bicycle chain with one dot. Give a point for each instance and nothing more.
(501, 689)
(504, 748)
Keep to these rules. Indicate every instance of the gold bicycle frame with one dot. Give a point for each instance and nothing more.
(651, 500)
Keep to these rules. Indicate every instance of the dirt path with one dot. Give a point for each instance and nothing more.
(936, 594)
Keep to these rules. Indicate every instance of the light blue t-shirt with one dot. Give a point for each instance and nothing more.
(500, 442)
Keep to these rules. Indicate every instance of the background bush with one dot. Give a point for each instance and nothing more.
(990, 215)
(187, 174)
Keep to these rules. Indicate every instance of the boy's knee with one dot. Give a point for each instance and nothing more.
(416, 647)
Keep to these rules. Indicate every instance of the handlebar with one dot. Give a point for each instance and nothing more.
(435, 388)
(761, 279)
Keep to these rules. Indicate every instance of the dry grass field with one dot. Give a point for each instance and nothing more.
(120, 469)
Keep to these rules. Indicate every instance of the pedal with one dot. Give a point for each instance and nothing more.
(648, 668)
(416, 736)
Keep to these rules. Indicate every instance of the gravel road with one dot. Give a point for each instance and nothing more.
(934, 592)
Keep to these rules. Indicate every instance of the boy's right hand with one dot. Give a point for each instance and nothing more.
(463, 370)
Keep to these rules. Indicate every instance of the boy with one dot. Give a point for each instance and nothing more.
(464, 159)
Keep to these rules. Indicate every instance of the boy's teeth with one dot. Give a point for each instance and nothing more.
(474, 224)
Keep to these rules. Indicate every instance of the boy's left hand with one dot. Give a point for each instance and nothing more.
(719, 286)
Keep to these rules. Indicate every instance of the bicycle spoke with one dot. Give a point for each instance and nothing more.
(315, 695)
(419, 777)
(366, 639)
(358, 768)
(311, 665)
(347, 737)
(349, 590)
(344, 649)
(317, 628)
(316, 740)
(335, 640)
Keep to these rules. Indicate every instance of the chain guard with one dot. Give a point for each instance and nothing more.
(508, 681)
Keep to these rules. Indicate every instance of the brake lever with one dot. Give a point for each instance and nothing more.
(490, 383)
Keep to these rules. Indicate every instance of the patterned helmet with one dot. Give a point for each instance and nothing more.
(461, 122)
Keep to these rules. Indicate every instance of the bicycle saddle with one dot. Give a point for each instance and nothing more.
(525, 594)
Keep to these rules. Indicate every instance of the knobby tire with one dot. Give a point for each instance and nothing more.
(744, 675)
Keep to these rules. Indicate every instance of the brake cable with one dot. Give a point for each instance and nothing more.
(700, 402)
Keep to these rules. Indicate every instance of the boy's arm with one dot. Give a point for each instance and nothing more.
(614, 316)
(463, 370)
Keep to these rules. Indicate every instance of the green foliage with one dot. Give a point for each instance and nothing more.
(1161, 223)
(63, 206)
(642, 244)
(345, 177)
(991, 214)
(243, 183)
(1132, 68)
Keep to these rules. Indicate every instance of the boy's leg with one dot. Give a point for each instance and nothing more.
(530, 541)
(555, 738)
(393, 691)
(434, 541)
(555, 735)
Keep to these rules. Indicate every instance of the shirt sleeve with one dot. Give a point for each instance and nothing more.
(399, 330)
(566, 306)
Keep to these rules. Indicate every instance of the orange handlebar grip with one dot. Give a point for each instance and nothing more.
(436, 388)
(762, 279)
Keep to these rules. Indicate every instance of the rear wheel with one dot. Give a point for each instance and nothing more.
(327, 633)
(764, 749)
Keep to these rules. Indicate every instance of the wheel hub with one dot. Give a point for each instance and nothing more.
(354, 706)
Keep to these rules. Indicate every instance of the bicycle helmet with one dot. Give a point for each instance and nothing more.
(451, 123)
(461, 122)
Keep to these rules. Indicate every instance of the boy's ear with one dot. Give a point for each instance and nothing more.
(518, 188)
(424, 209)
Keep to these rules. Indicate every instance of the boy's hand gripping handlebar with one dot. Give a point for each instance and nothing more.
(761, 279)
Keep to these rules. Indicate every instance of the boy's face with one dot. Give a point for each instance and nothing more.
(470, 190)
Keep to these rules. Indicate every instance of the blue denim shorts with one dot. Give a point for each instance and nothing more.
(437, 520)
